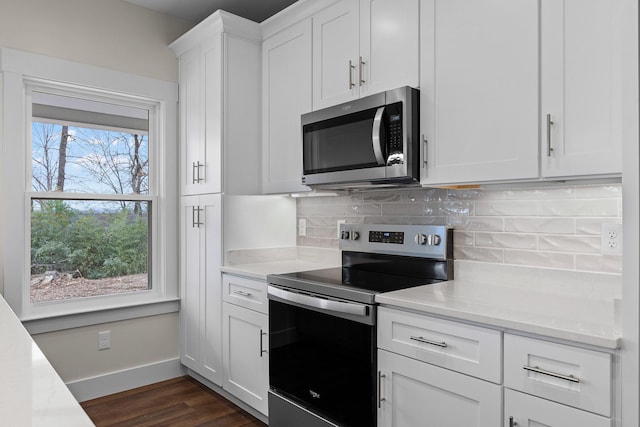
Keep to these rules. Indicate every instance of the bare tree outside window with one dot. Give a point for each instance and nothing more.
(82, 247)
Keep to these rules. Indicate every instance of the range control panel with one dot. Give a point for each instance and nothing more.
(396, 237)
(429, 241)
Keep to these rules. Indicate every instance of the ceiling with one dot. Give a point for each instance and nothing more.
(197, 10)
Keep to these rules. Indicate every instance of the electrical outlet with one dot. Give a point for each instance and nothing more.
(302, 227)
(340, 221)
(611, 239)
(104, 340)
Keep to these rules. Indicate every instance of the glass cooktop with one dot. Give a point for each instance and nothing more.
(348, 283)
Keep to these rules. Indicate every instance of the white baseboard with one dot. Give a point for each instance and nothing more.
(115, 382)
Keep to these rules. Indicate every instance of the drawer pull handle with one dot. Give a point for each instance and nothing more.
(242, 293)
(536, 369)
(426, 341)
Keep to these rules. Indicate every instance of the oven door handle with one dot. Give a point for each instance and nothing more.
(319, 303)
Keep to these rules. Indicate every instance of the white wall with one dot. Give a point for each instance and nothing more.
(108, 33)
(116, 35)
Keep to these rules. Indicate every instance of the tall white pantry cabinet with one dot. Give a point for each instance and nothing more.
(219, 83)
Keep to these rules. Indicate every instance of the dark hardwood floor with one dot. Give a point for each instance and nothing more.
(179, 402)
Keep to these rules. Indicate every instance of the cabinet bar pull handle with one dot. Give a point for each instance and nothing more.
(551, 374)
(195, 172)
(242, 293)
(351, 67)
(426, 341)
(549, 147)
(262, 334)
(424, 152)
(380, 398)
(360, 71)
(512, 423)
(195, 217)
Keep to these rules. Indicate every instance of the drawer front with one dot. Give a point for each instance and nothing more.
(463, 348)
(528, 410)
(248, 293)
(562, 373)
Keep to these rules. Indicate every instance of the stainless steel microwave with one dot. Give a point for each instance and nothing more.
(369, 141)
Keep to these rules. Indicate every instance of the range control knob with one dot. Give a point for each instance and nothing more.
(354, 235)
(344, 235)
(433, 240)
(428, 239)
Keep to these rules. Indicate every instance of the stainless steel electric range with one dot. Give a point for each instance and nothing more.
(322, 323)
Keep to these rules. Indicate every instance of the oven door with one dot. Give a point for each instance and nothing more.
(321, 360)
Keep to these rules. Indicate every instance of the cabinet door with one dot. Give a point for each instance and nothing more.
(212, 92)
(191, 122)
(389, 45)
(526, 410)
(246, 362)
(189, 283)
(581, 91)
(335, 54)
(479, 90)
(414, 393)
(211, 287)
(286, 62)
(200, 286)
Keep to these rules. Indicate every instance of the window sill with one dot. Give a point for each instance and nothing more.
(42, 325)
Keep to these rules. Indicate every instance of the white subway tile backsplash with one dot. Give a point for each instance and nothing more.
(403, 209)
(470, 253)
(540, 226)
(580, 207)
(476, 223)
(541, 194)
(463, 238)
(507, 208)
(593, 226)
(574, 244)
(539, 259)
(507, 240)
(599, 191)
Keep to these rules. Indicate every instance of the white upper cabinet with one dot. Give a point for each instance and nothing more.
(361, 47)
(286, 94)
(389, 44)
(581, 88)
(479, 90)
(220, 107)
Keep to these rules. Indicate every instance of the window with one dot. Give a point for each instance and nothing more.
(97, 245)
(89, 192)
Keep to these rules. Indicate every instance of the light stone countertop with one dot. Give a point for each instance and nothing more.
(573, 306)
(576, 306)
(258, 263)
(31, 392)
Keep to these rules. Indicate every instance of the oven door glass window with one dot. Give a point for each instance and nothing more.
(324, 363)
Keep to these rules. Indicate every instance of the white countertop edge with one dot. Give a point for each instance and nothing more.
(507, 325)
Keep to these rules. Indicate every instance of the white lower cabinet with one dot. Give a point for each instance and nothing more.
(413, 393)
(430, 372)
(524, 410)
(245, 349)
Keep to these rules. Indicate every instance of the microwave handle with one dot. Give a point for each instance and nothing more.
(375, 136)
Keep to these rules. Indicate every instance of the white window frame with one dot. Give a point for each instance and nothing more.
(21, 74)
